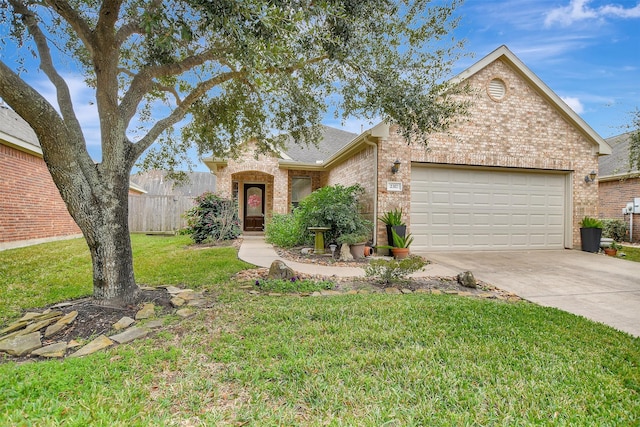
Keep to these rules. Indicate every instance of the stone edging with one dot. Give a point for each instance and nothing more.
(24, 336)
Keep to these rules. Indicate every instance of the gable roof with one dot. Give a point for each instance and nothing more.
(332, 141)
(616, 165)
(504, 54)
(16, 132)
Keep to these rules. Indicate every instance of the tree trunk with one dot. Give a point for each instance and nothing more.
(113, 278)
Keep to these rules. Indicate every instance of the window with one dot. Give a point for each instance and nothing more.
(300, 188)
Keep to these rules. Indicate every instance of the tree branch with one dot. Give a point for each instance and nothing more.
(180, 111)
(46, 64)
(76, 21)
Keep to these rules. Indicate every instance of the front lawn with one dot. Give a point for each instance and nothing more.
(395, 360)
(632, 253)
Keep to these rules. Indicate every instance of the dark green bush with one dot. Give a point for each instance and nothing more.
(213, 219)
(336, 207)
(284, 230)
(615, 229)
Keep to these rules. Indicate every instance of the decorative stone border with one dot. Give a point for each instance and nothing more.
(25, 336)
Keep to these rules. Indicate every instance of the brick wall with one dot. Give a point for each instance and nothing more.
(614, 195)
(523, 130)
(30, 206)
(358, 169)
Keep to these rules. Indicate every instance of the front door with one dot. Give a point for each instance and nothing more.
(253, 207)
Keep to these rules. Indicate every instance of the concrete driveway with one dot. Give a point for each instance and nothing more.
(598, 287)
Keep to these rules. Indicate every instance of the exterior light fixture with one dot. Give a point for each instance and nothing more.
(396, 166)
(590, 178)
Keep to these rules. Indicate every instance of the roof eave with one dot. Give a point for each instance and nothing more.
(381, 130)
(619, 177)
(19, 144)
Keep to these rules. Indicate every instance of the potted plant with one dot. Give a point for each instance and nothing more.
(612, 249)
(590, 234)
(400, 248)
(356, 242)
(393, 221)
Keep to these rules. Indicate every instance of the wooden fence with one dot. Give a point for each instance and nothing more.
(158, 214)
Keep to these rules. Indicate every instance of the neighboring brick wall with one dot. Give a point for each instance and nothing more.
(614, 195)
(523, 130)
(30, 205)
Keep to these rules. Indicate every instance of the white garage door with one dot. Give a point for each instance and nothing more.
(479, 209)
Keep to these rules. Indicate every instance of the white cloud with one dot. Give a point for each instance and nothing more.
(579, 10)
(574, 103)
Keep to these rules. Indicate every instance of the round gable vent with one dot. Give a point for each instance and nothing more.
(496, 89)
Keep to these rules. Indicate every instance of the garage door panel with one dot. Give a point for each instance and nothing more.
(486, 209)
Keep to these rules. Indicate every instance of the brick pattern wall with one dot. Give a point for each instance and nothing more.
(30, 204)
(358, 169)
(523, 130)
(614, 195)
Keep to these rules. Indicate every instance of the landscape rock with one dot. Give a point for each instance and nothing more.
(467, 280)
(154, 324)
(173, 290)
(177, 302)
(392, 291)
(185, 312)
(36, 326)
(20, 324)
(306, 251)
(54, 350)
(130, 335)
(345, 253)
(62, 323)
(21, 344)
(147, 311)
(123, 323)
(97, 344)
(280, 270)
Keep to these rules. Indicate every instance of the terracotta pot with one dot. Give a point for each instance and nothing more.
(368, 251)
(610, 251)
(400, 253)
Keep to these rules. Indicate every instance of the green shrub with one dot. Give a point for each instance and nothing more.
(389, 271)
(294, 284)
(213, 219)
(336, 207)
(615, 229)
(284, 230)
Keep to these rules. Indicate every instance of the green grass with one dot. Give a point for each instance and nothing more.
(372, 360)
(632, 253)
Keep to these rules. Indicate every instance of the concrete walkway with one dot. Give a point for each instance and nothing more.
(256, 251)
(598, 287)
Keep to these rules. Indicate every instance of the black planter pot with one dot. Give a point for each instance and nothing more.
(590, 238)
(401, 231)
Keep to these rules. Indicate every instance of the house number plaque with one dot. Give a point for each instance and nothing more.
(394, 186)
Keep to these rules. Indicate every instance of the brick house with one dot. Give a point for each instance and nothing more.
(618, 185)
(510, 175)
(31, 208)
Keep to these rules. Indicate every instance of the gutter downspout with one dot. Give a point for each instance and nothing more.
(375, 187)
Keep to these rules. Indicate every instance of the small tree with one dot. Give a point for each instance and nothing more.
(213, 218)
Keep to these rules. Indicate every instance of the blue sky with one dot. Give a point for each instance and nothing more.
(587, 51)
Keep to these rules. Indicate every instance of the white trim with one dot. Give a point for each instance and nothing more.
(19, 144)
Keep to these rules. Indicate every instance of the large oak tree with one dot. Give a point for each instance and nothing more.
(211, 74)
